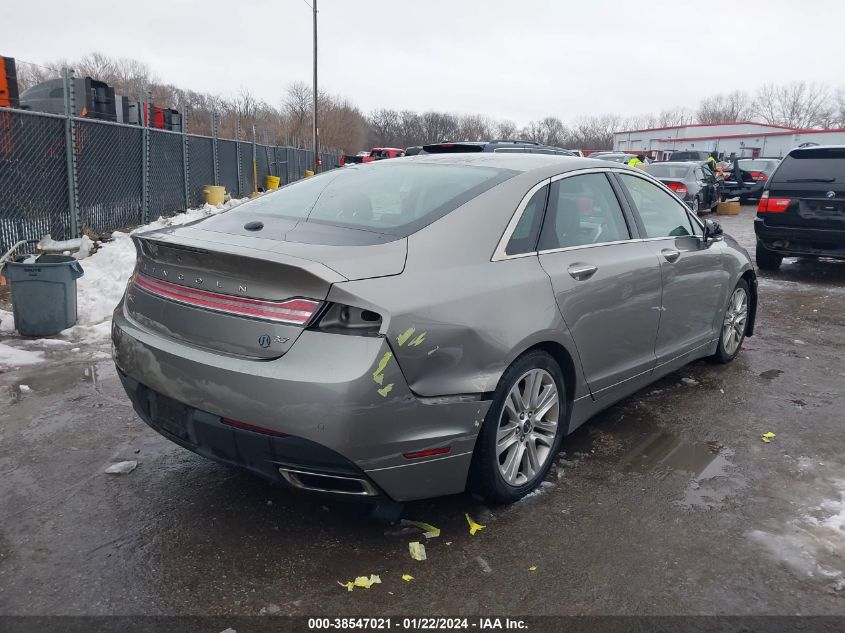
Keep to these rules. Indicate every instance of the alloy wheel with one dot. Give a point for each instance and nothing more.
(733, 328)
(527, 427)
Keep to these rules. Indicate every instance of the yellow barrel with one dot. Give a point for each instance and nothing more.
(271, 182)
(308, 173)
(214, 194)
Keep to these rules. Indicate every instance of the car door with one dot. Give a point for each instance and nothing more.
(705, 187)
(694, 280)
(607, 284)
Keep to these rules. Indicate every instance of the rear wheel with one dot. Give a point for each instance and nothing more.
(766, 259)
(734, 324)
(522, 431)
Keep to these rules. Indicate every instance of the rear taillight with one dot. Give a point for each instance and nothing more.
(427, 453)
(292, 311)
(759, 175)
(678, 188)
(251, 427)
(772, 205)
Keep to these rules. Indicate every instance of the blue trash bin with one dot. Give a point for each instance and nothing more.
(43, 293)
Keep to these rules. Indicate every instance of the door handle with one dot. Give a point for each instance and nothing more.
(582, 271)
(670, 254)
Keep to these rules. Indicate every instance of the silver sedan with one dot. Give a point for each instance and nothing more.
(405, 329)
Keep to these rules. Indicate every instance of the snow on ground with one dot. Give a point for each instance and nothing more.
(813, 544)
(98, 291)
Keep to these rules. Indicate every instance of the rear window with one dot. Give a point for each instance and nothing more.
(755, 165)
(390, 197)
(678, 172)
(812, 165)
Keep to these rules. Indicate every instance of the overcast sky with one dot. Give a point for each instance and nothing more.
(510, 59)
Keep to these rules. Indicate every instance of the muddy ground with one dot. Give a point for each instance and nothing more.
(668, 503)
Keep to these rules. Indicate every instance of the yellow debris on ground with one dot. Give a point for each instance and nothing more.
(361, 581)
(532, 568)
(429, 531)
(767, 437)
(407, 577)
(417, 550)
(473, 526)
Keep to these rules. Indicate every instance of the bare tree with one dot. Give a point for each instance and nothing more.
(725, 108)
(798, 104)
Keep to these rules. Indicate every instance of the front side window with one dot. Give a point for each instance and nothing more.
(582, 210)
(662, 215)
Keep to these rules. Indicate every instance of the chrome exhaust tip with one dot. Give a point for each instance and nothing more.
(332, 484)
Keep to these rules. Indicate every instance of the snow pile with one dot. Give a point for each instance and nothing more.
(814, 544)
(16, 357)
(99, 290)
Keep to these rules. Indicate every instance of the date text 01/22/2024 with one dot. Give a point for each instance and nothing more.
(411, 624)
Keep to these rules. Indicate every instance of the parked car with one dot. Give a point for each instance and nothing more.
(755, 173)
(380, 153)
(802, 208)
(364, 332)
(501, 146)
(689, 155)
(413, 151)
(576, 152)
(616, 157)
(691, 182)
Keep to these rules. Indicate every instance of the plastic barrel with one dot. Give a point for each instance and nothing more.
(44, 294)
(214, 194)
(271, 182)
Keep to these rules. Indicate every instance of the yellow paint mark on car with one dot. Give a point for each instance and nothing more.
(385, 390)
(378, 374)
(402, 338)
(418, 340)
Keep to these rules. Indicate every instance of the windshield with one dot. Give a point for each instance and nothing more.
(678, 172)
(756, 165)
(396, 198)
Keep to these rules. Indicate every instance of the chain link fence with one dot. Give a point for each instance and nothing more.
(67, 176)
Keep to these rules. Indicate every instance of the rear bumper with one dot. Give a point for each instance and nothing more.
(742, 191)
(791, 240)
(322, 394)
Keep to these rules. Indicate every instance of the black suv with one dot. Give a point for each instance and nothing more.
(522, 147)
(802, 209)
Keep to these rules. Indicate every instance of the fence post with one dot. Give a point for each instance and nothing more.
(185, 161)
(70, 153)
(238, 155)
(254, 162)
(145, 161)
(214, 147)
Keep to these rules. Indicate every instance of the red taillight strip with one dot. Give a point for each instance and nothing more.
(427, 453)
(251, 427)
(294, 311)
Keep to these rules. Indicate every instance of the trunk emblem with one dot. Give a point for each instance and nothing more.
(264, 340)
(831, 194)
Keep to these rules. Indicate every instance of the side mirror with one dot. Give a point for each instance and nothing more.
(712, 231)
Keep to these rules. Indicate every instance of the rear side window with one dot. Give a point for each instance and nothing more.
(524, 237)
(582, 210)
(812, 165)
(392, 197)
(662, 215)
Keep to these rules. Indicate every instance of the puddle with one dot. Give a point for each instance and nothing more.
(707, 465)
(771, 374)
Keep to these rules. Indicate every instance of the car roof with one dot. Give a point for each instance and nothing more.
(676, 163)
(516, 161)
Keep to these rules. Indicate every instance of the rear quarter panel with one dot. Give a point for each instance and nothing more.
(454, 319)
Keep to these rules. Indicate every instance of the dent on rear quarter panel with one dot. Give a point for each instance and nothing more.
(454, 319)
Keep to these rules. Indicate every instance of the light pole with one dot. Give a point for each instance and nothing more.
(315, 130)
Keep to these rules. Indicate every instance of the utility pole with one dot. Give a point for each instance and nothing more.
(316, 130)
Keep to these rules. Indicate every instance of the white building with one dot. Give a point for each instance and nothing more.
(743, 138)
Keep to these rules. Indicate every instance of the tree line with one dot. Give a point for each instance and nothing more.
(343, 127)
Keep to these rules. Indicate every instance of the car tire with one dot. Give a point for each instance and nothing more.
(502, 468)
(734, 324)
(766, 259)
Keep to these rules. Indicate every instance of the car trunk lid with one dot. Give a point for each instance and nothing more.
(239, 294)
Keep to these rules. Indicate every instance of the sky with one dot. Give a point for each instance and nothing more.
(519, 60)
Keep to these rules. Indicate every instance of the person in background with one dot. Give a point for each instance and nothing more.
(637, 161)
(712, 161)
